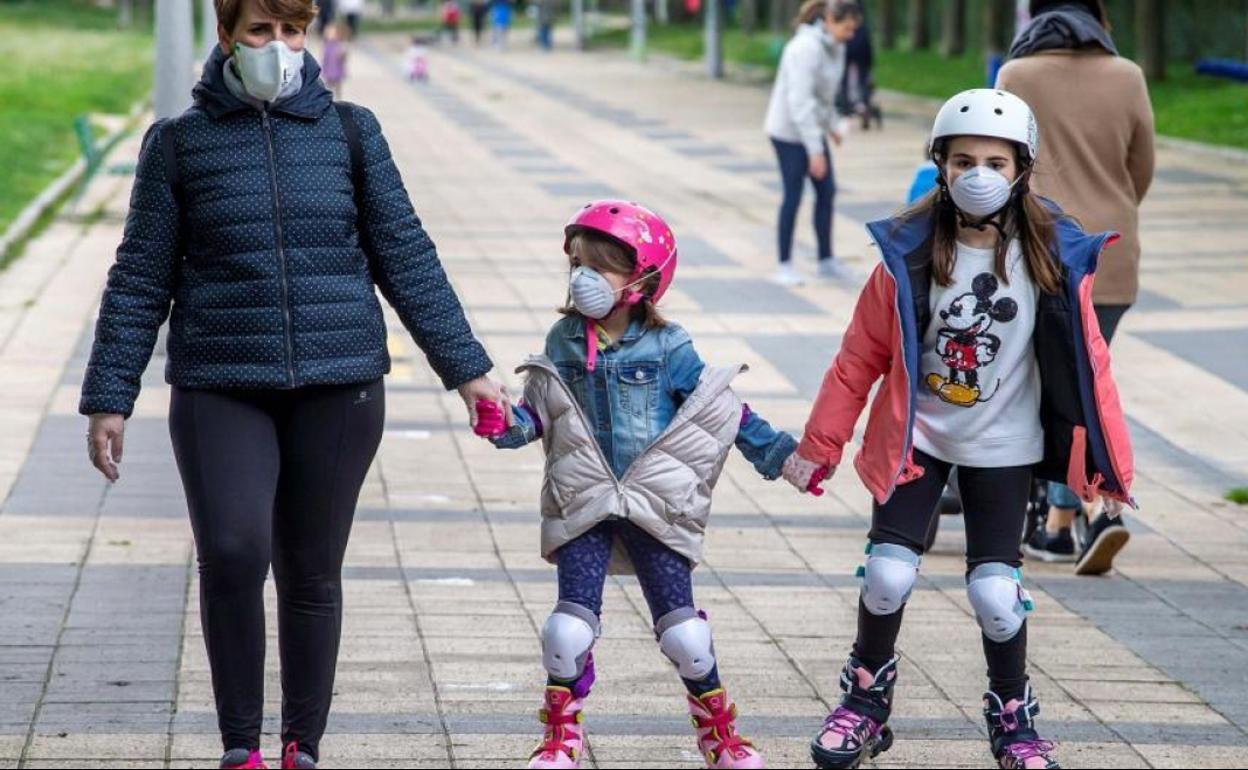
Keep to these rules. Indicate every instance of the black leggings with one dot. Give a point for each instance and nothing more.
(994, 504)
(273, 477)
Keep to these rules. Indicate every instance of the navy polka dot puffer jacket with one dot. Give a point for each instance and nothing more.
(258, 251)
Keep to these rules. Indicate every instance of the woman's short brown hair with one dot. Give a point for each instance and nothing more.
(298, 12)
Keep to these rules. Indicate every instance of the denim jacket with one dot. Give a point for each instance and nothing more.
(633, 394)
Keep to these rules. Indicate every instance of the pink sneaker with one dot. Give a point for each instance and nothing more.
(293, 758)
(242, 759)
(714, 718)
(564, 738)
(1012, 731)
(857, 729)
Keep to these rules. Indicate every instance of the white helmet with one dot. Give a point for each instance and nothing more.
(988, 112)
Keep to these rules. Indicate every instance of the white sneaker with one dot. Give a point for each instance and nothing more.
(786, 275)
(835, 270)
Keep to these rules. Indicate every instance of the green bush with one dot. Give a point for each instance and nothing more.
(61, 58)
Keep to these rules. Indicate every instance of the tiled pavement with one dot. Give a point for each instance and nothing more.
(101, 655)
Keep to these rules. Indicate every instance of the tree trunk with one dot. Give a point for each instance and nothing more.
(995, 36)
(920, 34)
(954, 28)
(888, 24)
(125, 14)
(1150, 37)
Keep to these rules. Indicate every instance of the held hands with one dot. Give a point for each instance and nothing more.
(104, 443)
(484, 389)
(805, 475)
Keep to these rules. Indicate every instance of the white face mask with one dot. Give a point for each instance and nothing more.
(981, 191)
(592, 294)
(268, 71)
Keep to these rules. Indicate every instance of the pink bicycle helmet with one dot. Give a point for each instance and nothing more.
(637, 227)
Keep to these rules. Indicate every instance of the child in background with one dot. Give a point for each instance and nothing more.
(334, 59)
(418, 60)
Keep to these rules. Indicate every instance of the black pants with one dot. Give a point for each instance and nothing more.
(794, 171)
(273, 477)
(994, 504)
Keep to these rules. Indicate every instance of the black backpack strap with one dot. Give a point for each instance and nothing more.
(169, 149)
(173, 177)
(355, 146)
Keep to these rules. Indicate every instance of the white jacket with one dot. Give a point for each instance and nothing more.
(667, 489)
(803, 98)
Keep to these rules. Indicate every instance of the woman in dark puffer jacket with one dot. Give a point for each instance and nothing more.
(244, 231)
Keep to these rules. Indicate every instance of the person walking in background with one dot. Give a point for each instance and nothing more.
(325, 15)
(254, 230)
(501, 11)
(479, 10)
(801, 115)
(334, 59)
(545, 23)
(351, 10)
(1093, 109)
(450, 20)
(417, 60)
(857, 87)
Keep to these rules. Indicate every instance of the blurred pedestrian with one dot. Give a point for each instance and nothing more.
(334, 58)
(450, 20)
(418, 60)
(479, 9)
(351, 10)
(801, 116)
(501, 12)
(545, 23)
(1093, 109)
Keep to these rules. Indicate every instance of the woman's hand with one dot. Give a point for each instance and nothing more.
(818, 168)
(484, 389)
(104, 443)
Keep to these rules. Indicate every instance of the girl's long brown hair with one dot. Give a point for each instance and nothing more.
(1025, 218)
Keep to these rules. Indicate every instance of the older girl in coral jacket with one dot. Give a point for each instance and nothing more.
(979, 320)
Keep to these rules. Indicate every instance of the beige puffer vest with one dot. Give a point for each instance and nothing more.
(667, 489)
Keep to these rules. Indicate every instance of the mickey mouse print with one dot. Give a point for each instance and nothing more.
(979, 404)
(965, 343)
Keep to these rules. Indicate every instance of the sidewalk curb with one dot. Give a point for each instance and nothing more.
(53, 194)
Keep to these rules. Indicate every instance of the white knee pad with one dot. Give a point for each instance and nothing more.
(685, 638)
(1000, 602)
(888, 577)
(567, 637)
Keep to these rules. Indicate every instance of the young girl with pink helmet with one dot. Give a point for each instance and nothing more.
(636, 430)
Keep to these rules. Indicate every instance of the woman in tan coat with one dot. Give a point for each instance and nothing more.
(1094, 113)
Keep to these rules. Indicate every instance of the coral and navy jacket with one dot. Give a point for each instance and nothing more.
(1086, 442)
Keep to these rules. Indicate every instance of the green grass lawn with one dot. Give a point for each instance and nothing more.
(1187, 105)
(61, 58)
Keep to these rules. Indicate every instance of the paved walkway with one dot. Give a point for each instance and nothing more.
(101, 654)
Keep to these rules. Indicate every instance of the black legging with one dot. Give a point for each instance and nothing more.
(273, 476)
(994, 502)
